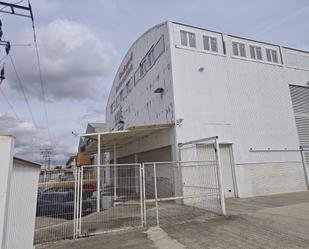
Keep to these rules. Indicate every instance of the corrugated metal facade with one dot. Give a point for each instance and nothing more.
(300, 100)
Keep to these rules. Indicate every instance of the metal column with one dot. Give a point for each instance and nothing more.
(98, 173)
(115, 174)
(304, 166)
(219, 173)
(156, 192)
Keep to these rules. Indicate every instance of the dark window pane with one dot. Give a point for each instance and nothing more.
(252, 52)
(268, 55)
(192, 41)
(259, 53)
(235, 49)
(183, 38)
(214, 46)
(274, 55)
(242, 50)
(206, 42)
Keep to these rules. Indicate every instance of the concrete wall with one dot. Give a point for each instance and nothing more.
(268, 178)
(22, 206)
(6, 163)
(18, 192)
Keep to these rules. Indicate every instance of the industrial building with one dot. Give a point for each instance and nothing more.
(179, 83)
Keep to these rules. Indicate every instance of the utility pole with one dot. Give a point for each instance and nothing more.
(13, 9)
(47, 154)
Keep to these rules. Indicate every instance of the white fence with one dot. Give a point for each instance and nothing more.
(56, 205)
(120, 198)
(103, 198)
(176, 192)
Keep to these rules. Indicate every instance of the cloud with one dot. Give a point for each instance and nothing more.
(29, 140)
(74, 61)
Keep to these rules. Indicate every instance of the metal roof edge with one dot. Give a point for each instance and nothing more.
(28, 162)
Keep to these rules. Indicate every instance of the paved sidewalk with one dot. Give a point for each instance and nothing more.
(269, 222)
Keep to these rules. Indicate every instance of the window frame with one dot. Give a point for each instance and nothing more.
(190, 39)
(210, 43)
(257, 52)
(272, 55)
(239, 47)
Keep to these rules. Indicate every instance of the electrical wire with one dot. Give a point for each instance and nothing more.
(10, 105)
(23, 90)
(41, 78)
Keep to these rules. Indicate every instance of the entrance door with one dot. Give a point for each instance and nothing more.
(227, 170)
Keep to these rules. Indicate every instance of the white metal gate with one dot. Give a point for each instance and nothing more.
(103, 198)
(114, 197)
(118, 205)
(176, 192)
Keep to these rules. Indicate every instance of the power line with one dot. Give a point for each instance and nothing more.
(10, 105)
(23, 90)
(40, 75)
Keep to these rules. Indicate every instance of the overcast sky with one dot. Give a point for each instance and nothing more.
(81, 44)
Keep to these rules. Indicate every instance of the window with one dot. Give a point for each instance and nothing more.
(113, 106)
(256, 52)
(271, 55)
(123, 94)
(239, 49)
(117, 101)
(158, 48)
(183, 38)
(210, 43)
(150, 58)
(129, 85)
(187, 39)
(143, 68)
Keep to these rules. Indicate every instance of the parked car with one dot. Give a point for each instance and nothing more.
(59, 203)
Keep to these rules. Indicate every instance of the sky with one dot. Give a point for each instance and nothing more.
(81, 44)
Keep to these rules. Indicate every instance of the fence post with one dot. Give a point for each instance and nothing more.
(141, 193)
(219, 175)
(304, 166)
(75, 202)
(98, 173)
(80, 202)
(144, 196)
(156, 191)
(115, 175)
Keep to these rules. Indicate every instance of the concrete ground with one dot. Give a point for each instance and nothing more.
(268, 222)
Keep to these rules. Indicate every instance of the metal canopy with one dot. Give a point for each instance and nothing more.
(117, 139)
